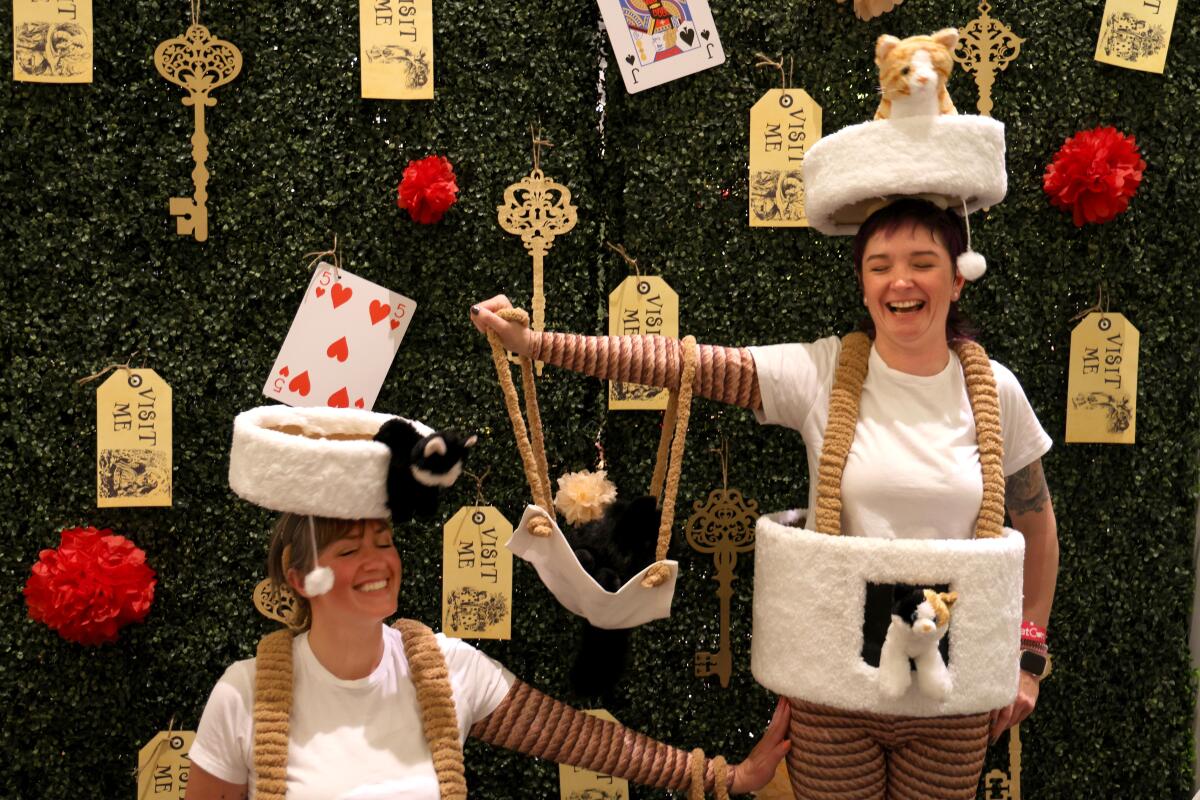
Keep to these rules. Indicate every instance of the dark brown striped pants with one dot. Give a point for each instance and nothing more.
(853, 755)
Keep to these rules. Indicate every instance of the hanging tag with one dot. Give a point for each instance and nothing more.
(133, 440)
(477, 574)
(1135, 34)
(643, 304)
(397, 49)
(163, 765)
(577, 783)
(52, 41)
(1102, 381)
(784, 123)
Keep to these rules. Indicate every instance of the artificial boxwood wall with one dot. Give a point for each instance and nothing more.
(95, 272)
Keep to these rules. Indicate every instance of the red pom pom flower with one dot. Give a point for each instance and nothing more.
(1094, 174)
(93, 585)
(428, 189)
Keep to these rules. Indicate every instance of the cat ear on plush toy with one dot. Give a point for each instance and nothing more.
(947, 38)
(885, 44)
(949, 598)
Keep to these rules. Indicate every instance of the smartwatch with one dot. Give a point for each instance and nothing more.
(1035, 664)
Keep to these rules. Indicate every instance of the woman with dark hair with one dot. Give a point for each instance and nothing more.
(913, 469)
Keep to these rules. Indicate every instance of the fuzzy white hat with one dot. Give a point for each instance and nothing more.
(313, 461)
(955, 161)
(319, 461)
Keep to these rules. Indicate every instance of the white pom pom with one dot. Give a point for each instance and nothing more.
(318, 582)
(972, 265)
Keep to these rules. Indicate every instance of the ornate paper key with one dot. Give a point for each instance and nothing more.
(198, 62)
(724, 526)
(987, 46)
(537, 209)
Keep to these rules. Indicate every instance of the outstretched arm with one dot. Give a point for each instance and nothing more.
(535, 724)
(724, 374)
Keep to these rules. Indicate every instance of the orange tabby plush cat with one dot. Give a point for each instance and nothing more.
(913, 74)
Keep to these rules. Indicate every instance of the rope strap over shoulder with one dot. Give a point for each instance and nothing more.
(439, 720)
(272, 714)
(843, 419)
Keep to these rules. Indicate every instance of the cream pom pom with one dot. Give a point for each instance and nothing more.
(318, 582)
(971, 265)
(582, 496)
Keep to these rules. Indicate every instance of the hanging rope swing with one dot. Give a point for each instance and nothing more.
(539, 539)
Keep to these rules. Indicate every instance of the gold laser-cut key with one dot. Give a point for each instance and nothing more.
(724, 526)
(199, 63)
(537, 209)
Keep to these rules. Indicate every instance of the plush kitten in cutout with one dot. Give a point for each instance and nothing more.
(913, 74)
(919, 621)
(612, 549)
(422, 464)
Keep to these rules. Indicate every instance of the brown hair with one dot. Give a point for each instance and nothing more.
(944, 225)
(291, 548)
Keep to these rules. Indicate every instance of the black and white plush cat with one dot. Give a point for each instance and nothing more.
(919, 621)
(423, 462)
(612, 549)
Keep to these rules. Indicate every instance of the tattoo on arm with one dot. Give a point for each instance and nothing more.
(1025, 490)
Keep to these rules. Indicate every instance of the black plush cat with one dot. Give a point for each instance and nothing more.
(422, 463)
(612, 549)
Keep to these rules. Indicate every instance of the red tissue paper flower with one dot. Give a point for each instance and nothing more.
(1094, 174)
(93, 585)
(428, 189)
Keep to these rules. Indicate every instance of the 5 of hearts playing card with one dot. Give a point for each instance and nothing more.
(341, 343)
(657, 41)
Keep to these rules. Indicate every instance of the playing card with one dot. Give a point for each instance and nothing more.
(656, 41)
(341, 343)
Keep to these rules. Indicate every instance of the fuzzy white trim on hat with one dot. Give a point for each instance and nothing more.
(809, 593)
(851, 173)
(320, 461)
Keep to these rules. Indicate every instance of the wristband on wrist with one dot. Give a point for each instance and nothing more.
(1031, 631)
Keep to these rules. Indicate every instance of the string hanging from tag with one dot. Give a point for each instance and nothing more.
(97, 375)
(331, 253)
(137, 771)
(785, 81)
(480, 499)
(630, 260)
(1101, 305)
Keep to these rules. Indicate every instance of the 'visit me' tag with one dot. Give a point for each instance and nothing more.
(477, 574)
(1102, 380)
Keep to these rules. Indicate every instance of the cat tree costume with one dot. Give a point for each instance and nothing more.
(850, 738)
(326, 461)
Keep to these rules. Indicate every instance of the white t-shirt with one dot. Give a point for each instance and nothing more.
(349, 739)
(913, 470)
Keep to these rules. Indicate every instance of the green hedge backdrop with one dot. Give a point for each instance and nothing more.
(94, 272)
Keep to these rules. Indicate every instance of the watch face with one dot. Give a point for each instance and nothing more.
(1033, 663)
